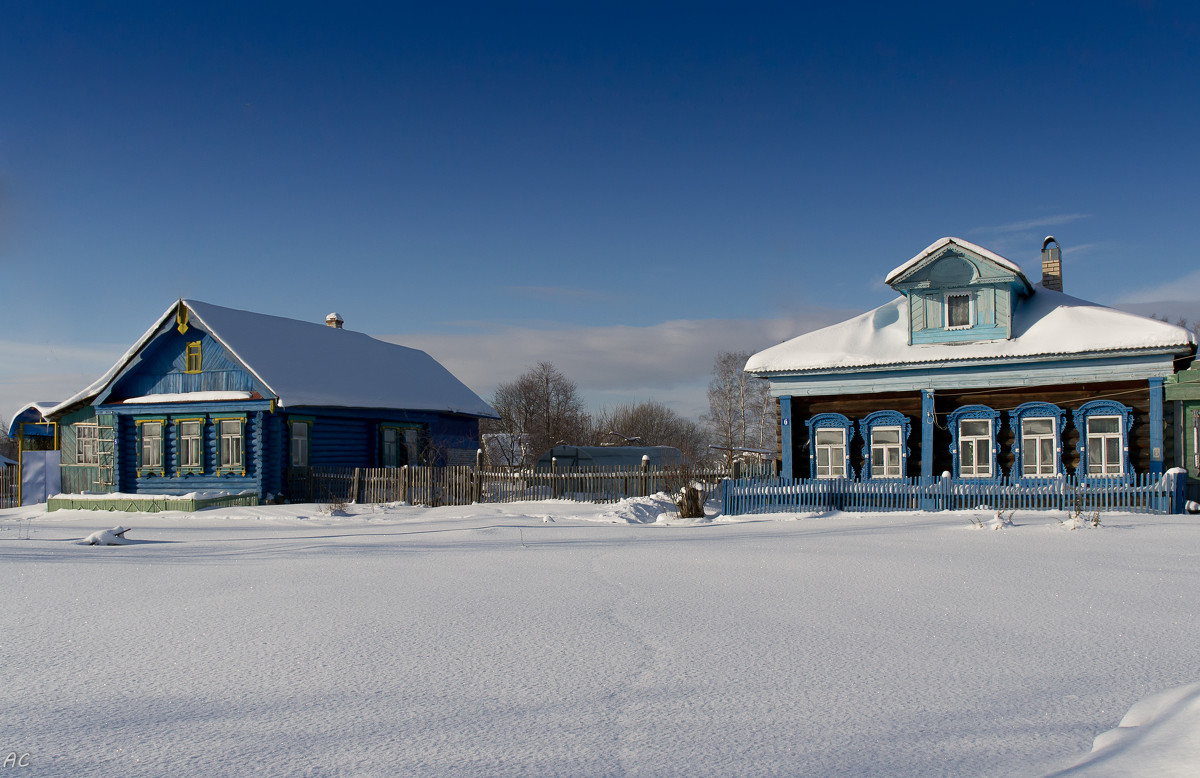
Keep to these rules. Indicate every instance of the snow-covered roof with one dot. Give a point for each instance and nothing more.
(33, 412)
(1045, 323)
(941, 243)
(310, 364)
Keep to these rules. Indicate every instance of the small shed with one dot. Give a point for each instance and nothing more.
(575, 457)
(1183, 390)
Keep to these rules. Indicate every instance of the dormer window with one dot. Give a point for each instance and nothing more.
(959, 311)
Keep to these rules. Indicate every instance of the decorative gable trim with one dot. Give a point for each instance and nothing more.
(943, 246)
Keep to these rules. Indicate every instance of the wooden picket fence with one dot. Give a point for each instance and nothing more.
(10, 486)
(463, 485)
(1139, 493)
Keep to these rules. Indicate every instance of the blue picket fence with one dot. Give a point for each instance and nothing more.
(1141, 493)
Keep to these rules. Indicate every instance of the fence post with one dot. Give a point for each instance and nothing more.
(737, 469)
(478, 485)
(1178, 490)
(645, 477)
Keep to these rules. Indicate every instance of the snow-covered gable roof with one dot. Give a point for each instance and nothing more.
(941, 243)
(307, 364)
(1046, 323)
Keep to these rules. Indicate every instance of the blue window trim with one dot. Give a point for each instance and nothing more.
(1036, 410)
(884, 419)
(828, 421)
(1080, 417)
(975, 412)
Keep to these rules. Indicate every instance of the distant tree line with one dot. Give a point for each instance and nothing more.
(543, 408)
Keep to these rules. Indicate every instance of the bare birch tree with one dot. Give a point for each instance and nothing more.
(741, 412)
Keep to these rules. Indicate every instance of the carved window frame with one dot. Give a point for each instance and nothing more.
(827, 421)
(975, 413)
(1097, 409)
(884, 420)
(1027, 412)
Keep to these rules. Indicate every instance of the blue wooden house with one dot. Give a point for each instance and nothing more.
(974, 371)
(213, 398)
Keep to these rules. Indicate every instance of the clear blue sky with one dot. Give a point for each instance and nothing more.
(622, 189)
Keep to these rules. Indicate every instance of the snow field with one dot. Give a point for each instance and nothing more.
(487, 641)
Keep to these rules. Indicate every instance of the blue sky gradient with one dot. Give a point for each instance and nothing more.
(624, 189)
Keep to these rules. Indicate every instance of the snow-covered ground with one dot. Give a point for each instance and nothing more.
(567, 639)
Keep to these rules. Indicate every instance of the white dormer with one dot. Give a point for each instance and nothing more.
(958, 292)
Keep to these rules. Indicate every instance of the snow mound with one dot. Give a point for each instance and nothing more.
(1160, 735)
(107, 537)
(642, 510)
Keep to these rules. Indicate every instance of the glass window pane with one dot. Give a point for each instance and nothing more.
(1046, 455)
(885, 435)
(1038, 426)
(829, 437)
(976, 428)
(958, 310)
(1103, 424)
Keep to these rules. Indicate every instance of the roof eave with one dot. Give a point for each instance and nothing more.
(981, 361)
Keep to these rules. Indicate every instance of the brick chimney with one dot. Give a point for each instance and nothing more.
(1051, 264)
(334, 320)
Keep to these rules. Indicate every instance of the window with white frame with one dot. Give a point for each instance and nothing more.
(975, 448)
(885, 452)
(1039, 447)
(830, 447)
(151, 445)
(1196, 442)
(191, 445)
(87, 444)
(299, 445)
(959, 310)
(1105, 444)
(231, 444)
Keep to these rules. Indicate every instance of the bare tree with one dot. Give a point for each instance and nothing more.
(651, 423)
(542, 404)
(8, 446)
(740, 408)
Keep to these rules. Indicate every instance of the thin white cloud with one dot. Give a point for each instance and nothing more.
(670, 362)
(39, 372)
(1041, 221)
(1186, 288)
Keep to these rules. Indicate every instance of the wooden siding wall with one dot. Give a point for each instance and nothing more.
(1135, 394)
(350, 439)
(164, 361)
(172, 482)
(854, 407)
